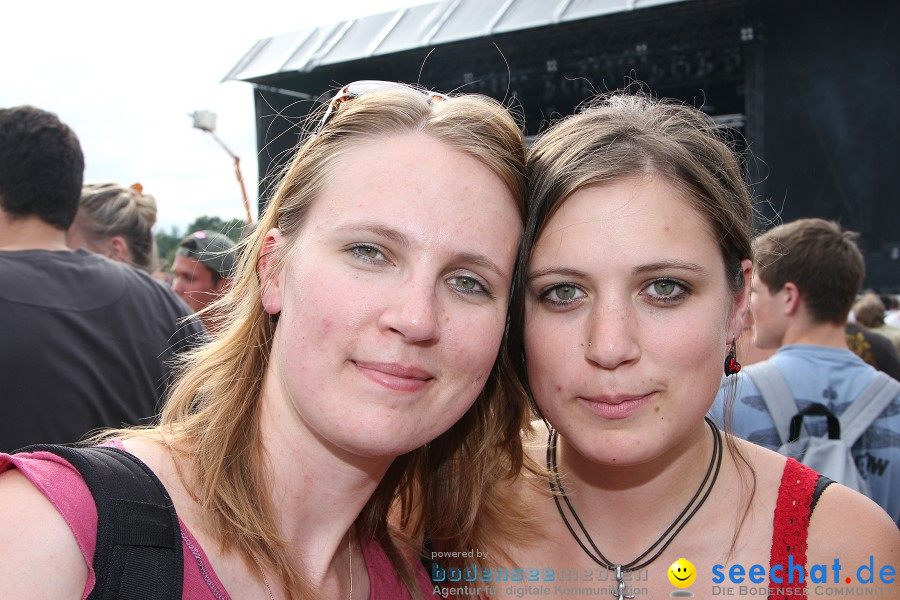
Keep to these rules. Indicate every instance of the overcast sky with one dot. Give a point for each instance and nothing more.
(125, 76)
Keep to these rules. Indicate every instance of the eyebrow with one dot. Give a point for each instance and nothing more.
(379, 229)
(663, 265)
(480, 260)
(564, 271)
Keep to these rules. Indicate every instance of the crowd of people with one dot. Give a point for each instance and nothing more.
(438, 352)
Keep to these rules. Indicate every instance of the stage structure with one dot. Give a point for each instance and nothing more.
(810, 90)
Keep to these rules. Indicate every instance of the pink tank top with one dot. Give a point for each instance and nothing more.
(63, 486)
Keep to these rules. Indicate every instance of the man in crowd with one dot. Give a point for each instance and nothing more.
(805, 279)
(202, 269)
(84, 341)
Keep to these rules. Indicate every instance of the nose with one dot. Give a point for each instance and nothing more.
(178, 285)
(612, 336)
(413, 312)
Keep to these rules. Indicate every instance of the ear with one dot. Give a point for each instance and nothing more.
(270, 275)
(117, 249)
(741, 304)
(792, 299)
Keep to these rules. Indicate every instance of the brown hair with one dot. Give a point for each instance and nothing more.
(621, 135)
(212, 416)
(107, 210)
(869, 311)
(820, 259)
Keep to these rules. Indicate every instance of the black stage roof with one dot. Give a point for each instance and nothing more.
(809, 88)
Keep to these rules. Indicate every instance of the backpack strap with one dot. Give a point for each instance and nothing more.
(777, 396)
(138, 555)
(867, 407)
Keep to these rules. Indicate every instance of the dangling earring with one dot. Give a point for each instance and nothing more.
(732, 366)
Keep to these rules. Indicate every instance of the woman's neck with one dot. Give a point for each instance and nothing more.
(317, 488)
(628, 507)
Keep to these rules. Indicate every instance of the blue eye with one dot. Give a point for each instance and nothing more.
(562, 294)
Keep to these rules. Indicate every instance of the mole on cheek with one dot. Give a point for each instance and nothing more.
(656, 408)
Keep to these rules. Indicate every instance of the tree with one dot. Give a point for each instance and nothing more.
(231, 228)
(167, 242)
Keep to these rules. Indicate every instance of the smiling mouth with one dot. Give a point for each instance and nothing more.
(679, 578)
(617, 406)
(395, 377)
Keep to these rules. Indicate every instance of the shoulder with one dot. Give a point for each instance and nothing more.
(849, 526)
(155, 298)
(36, 541)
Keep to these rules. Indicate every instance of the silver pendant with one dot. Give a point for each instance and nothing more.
(621, 593)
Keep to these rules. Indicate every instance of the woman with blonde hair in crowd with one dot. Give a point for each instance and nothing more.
(361, 365)
(636, 265)
(116, 222)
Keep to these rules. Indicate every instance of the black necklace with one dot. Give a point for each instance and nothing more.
(558, 491)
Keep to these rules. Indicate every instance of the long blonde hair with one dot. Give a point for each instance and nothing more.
(212, 416)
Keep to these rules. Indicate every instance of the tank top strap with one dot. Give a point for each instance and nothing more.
(791, 523)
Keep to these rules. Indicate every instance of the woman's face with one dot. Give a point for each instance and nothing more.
(393, 297)
(628, 320)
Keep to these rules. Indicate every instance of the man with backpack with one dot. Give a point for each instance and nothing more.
(814, 399)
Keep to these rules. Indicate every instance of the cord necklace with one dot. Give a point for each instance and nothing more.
(662, 542)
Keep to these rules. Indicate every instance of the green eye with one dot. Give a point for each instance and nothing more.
(566, 292)
(367, 251)
(466, 283)
(663, 288)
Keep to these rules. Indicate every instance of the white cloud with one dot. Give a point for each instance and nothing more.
(125, 75)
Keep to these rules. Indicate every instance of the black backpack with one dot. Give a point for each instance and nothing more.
(138, 554)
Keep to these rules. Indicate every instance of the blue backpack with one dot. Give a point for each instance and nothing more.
(830, 456)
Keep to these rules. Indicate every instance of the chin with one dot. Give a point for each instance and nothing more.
(385, 443)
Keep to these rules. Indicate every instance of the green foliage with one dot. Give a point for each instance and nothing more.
(167, 242)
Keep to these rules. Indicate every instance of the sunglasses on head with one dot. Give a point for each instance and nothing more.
(358, 88)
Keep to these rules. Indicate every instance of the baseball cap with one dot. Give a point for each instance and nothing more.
(213, 249)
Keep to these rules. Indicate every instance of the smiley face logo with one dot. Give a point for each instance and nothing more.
(682, 573)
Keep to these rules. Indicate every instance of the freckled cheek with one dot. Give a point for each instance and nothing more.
(471, 351)
(549, 363)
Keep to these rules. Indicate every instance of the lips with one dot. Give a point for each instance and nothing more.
(395, 376)
(616, 406)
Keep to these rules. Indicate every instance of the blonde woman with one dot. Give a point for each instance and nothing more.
(116, 222)
(361, 365)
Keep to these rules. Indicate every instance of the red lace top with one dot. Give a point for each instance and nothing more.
(792, 511)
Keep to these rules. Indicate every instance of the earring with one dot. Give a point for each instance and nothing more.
(732, 366)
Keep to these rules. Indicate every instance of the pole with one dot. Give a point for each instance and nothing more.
(237, 172)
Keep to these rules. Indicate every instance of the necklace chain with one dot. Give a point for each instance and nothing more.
(349, 562)
(556, 487)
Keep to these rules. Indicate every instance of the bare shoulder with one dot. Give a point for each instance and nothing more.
(847, 524)
(766, 464)
(41, 558)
